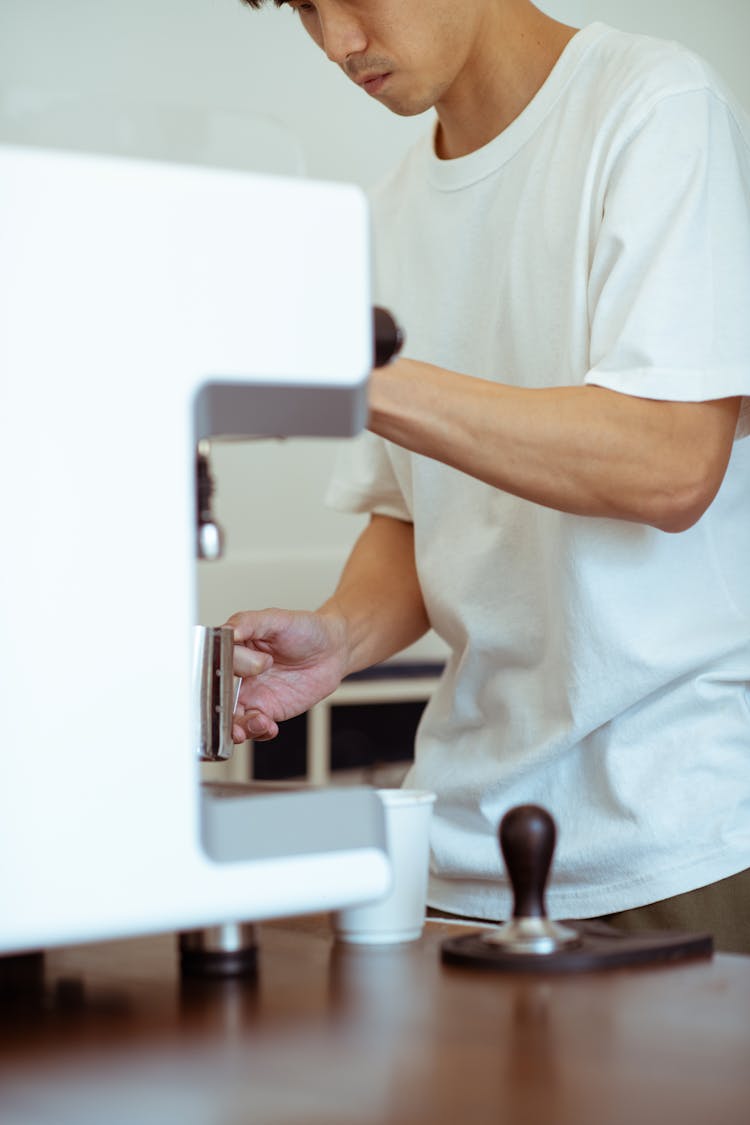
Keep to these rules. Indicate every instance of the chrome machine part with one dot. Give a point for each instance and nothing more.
(215, 689)
(226, 950)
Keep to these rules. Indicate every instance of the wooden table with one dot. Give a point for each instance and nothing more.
(331, 1035)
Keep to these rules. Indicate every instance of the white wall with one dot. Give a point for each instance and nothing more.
(292, 112)
(717, 29)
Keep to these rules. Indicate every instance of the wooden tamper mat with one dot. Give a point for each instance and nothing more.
(531, 942)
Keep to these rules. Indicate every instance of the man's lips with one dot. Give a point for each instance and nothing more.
(373, 83)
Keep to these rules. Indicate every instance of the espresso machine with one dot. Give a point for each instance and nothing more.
(145, 309)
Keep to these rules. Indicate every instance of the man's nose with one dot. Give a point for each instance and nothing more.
(343, 35)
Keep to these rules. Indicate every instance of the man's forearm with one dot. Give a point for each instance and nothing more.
(378, 596)
(584, 450)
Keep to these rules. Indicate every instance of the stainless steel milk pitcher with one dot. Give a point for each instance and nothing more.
(215, 691)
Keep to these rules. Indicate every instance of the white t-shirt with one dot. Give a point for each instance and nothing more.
(598, 667)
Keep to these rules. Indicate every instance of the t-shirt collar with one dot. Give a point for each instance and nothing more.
(451, 175)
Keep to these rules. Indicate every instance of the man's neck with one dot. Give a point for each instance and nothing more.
(512, 60)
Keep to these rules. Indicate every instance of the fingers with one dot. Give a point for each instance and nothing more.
(250, 662)
(253, 624)
(253, 725)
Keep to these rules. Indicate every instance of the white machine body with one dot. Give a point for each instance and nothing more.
(127, 291)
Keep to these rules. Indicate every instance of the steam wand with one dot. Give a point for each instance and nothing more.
(210, 538)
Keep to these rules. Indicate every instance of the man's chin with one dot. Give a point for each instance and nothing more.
(404, 107)
(406, 111)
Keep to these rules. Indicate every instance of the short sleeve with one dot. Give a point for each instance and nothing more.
(669, 285)
(365, 480)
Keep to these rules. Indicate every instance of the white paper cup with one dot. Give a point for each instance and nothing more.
(399, 916)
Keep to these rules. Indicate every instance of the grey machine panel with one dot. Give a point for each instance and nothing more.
(250, 822)
(275, 410)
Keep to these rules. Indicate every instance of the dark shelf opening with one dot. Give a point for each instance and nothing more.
(363, 736)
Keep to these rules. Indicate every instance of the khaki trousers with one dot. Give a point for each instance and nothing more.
(721, 909)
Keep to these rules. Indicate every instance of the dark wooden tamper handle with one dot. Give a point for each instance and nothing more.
(527, 836)
(527, 840)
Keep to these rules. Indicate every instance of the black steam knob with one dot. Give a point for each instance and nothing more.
(388, 338)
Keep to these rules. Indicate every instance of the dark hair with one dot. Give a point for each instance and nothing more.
(260, 3)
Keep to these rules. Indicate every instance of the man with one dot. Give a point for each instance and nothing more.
(557, 474)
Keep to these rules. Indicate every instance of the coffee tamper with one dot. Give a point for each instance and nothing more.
(527, 841)
(531, 942)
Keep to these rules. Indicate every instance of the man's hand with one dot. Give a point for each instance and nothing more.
(289, 661)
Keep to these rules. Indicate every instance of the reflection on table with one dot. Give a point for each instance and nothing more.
(333, 1034)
